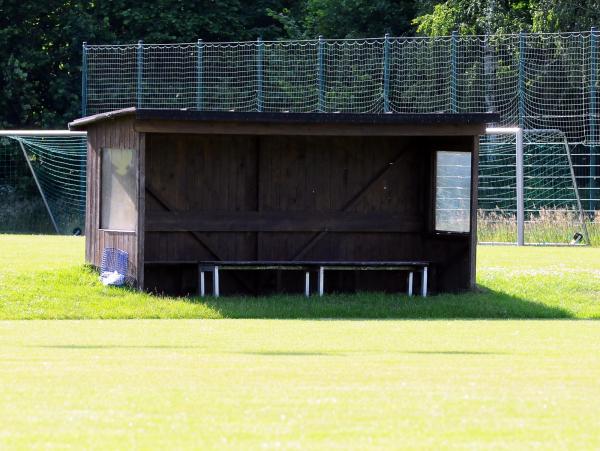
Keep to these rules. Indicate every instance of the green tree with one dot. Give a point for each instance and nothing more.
(475, 17)
(40, 44)
(506, 16)
(346, 18)
(565, 15)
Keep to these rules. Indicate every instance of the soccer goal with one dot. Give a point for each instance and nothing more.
(42, 180)
(528, 191)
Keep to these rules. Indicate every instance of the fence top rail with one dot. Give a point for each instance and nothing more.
(316, 40)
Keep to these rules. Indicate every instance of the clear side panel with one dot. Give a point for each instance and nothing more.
(453, 192)
(118, 191)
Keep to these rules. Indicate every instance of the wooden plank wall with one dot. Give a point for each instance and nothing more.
(117, 133)
(224, 187)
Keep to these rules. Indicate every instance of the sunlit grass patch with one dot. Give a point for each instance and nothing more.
(43, 277)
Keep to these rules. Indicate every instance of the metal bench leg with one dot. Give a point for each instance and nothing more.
(307, 284)
(321, 280)
(410, 283)
(201, 283)
(424, 282)
(216, 281)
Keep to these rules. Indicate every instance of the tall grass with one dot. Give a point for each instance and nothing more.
(545, 226)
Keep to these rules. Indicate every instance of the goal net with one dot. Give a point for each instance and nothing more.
(42, 181)
(551, 208)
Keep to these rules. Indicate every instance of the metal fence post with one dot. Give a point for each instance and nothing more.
(259, 75)
(453, 73)
(140, 73)
(199, 75)
(321, 75)
(593, 109)
(84, 75)
(386, 73)
(521, 80)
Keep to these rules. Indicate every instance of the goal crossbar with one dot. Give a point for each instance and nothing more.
(41, 133)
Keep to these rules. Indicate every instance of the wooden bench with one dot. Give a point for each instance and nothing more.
(315, 266)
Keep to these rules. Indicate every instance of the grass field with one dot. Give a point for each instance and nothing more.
(43, 277)
(299, 384)
(309, 383)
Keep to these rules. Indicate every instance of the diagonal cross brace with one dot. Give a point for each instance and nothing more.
(195, 235)
(349, 204)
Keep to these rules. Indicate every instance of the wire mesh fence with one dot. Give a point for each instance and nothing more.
(536, 81)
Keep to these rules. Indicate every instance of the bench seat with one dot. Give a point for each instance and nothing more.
(309, 266)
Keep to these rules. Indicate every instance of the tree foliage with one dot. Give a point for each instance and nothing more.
(347, 18)
(507, 16)
(40, 42)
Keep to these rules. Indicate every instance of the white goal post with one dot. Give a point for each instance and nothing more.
(518, 133)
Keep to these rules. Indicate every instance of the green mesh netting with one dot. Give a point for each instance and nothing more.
(59, 165)
(552, 208)
(536, 81)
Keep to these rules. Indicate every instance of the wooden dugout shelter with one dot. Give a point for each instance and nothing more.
(176, 187)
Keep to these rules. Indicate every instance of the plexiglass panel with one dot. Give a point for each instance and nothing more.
(453, 192)
(118, 190)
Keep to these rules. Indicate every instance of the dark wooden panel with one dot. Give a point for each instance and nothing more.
(279, 197)
(301, 221)
(241, 128)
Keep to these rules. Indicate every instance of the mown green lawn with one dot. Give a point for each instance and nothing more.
(317, 382)
(299, 384)
(43, 277)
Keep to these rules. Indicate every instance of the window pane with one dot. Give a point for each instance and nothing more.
(118, 202)
(453, 192)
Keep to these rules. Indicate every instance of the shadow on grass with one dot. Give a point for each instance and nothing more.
(118, 347)
(484, 304)
(456, 353)
(273, 353)
(75, 293)
(183, 347)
